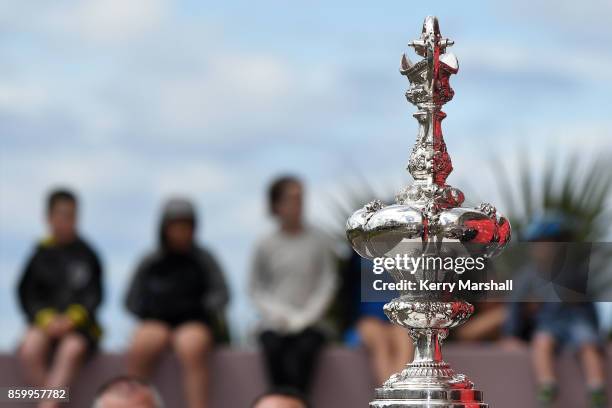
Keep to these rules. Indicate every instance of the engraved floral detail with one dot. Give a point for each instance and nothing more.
(488, 209)
(374, 206)
(429, 90)
(412, 314)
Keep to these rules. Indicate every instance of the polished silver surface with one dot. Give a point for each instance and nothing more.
(425, 216)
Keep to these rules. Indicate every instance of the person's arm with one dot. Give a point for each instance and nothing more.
(135, 300)
(83, 309)
(217, 294)
(321, 297)
(33, 301)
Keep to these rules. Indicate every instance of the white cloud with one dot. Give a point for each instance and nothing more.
(100, 173)
(188, 178)
(577, 64)
(22, 98)
(183, 84)
(98, 21)
(227, 89)
(585, 20)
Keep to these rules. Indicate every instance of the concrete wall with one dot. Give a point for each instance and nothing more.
(344, 379)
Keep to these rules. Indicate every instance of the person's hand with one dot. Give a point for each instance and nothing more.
(298, 322)
(280, 322)
(512, 344)
(59, 326)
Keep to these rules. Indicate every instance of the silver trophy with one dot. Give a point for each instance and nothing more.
(428, 218)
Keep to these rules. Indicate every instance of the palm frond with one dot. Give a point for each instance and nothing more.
(583, 196)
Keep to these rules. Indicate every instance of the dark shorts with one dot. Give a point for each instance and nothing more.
(174, 323)
(291, 359)
(571, 327)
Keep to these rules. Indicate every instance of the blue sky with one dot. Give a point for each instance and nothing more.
(132, 101)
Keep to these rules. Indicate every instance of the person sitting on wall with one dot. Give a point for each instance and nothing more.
(60, 291)
(292, 282)
(557, 322)
(389, 346)
(180, 294)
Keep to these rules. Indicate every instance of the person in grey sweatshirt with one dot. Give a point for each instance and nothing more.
(292, 282)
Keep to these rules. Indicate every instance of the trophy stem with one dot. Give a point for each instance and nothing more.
(428, 347)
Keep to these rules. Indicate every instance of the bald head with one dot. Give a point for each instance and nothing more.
(280, 401)
(125, 392)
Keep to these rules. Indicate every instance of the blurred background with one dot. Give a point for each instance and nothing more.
(129, 102)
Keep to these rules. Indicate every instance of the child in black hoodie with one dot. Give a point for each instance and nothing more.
(179, 294)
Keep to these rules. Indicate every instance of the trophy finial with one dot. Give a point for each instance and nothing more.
(430, 38)
(429, 90)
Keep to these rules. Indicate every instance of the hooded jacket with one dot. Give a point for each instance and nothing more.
(176, 287)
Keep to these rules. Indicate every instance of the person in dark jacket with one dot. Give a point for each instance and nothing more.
(60, 291)
(179, 294)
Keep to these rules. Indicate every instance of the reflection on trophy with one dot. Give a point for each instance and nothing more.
(428, 218)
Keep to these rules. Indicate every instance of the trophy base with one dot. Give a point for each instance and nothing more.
(426, 397)
(428, 381)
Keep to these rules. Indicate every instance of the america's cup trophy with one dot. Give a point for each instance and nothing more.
(429, 218)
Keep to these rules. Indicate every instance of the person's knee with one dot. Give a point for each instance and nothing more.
(543, 341)
(73, 346)
(192, 343)
(33, 347)
(590, 349)
(369, 327)
(373, 333)
(400, 334)
(151, 338)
